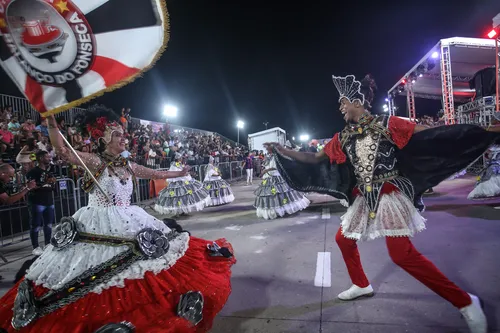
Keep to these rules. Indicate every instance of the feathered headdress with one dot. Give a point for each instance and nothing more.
(349, 88)
(100, 123)
(103, 129)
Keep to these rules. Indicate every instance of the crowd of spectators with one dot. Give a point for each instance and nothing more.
(157, 149)
(431, 121)
(21, 137)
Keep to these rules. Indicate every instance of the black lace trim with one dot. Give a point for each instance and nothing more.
(88, 280)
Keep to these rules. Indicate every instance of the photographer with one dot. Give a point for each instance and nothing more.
(7, 172)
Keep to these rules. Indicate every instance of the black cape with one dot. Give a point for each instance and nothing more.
(430, 157)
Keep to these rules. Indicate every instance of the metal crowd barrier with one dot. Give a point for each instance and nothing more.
(69, 197)
(15, 219)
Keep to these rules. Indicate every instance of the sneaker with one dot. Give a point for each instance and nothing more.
(356, 292)
(474, 316)
(37, 252)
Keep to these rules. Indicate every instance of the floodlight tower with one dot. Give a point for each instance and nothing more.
(495, 34)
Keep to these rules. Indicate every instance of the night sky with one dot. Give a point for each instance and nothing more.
(273, 60)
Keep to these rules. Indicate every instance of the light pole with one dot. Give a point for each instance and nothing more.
(240, 124)
(304, 138)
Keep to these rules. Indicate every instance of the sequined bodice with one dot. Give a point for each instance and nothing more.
(371, 153)
(373, 157)
(118, 191)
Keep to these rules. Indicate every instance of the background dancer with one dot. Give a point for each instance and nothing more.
(274, 198)
(488, 183)
(219, 190)
(112, 262)
(182, 195)
(372, 165)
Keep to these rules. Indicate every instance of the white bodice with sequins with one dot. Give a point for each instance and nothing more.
(211, 171)
(271, 164)
(119, 193)
(174, 167)
(55, 268)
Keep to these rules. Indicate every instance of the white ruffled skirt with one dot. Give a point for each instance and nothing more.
(396, 216)
(55, 268)
(487, 189)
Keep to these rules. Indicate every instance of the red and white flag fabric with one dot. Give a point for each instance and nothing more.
(62, 53)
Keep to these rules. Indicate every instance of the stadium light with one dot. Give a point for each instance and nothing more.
(293, 138)
(492, 34)
(435, 54)
(239, 124)
(304, 137)
(170, 111)
(386, 108)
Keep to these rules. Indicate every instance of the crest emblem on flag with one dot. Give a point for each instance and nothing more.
(62, 53)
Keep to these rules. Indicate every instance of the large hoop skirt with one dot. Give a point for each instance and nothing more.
(149, 303)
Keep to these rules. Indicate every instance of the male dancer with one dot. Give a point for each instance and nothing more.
(382, 191)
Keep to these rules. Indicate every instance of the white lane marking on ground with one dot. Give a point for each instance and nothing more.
(234, 227)
(258, 237)
(258, 251)
(325, 215)
(323, 276)
(300, 222)
(314, 217)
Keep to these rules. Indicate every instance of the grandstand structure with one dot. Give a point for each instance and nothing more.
(24, 108)
(443, 74)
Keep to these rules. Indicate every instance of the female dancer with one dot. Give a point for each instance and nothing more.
(488, 183)
(112, 262)
(274, 198)
(381, 165)
(219, 190)
(182, 195)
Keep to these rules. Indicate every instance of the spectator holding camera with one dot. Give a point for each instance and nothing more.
(41, 200)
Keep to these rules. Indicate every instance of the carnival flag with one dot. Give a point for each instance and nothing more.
(62, 53)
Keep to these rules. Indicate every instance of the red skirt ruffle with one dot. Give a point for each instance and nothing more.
(149, 303)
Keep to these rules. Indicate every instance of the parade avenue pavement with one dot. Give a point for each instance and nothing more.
(290, 270)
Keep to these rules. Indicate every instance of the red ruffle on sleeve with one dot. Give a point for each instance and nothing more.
(333, 150)
(401, 131)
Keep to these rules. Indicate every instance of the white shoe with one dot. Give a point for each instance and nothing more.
(37, 252)
(356, 292)
(474, 316)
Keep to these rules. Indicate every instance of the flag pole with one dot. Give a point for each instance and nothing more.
(84, 165)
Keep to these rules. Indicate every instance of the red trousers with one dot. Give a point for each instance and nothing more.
(404, 254)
